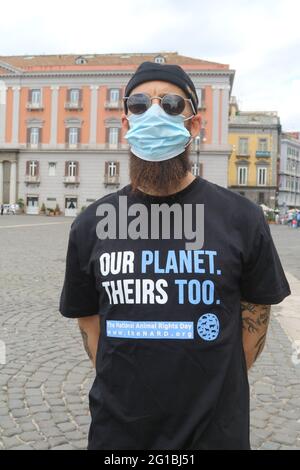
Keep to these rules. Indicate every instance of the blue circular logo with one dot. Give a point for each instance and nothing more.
(208, 326)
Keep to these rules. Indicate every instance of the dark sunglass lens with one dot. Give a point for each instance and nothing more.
(138, 103)
(173, 104)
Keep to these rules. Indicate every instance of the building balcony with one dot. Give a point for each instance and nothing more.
(73, 146)
(30, 179)
(33, 146)
(110, 146)
(73, 106)
(262, 154)
(242, 155)
(34, 107)
(113, 105)
(111, 180)
(71, 180)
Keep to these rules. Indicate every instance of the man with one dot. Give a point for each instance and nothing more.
(181, 321)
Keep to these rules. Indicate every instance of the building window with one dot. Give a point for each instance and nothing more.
(36, 96)
(33, 166)
(34, 136)
(71, 169)
(32, 201)
(73, 135)
(159, 59)
(52, 169)
(113, 136)
(80, 61)
(261, 176)
(242, 175)
(112, 173)
(197, 169)
(292, 185)
(261, 198)
(114, 95)
(263, 145)
(112, 169)
(243, 146)
(74, 95)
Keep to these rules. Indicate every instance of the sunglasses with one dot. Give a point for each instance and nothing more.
(172, 104)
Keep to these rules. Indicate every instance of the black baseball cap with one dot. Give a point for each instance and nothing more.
(148, 71)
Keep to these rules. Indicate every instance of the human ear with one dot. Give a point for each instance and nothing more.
(125, 123)
(196, 125)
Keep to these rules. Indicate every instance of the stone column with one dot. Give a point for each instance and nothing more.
(2, 111)
(215, 115)
(13, 183)
(1, 182)
(93, 117)
(225, 114)
(16, 109)
(54, 115)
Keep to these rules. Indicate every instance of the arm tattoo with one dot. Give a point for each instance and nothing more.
(254, 316)
(260, 345)
(255, 320)
(85, 343)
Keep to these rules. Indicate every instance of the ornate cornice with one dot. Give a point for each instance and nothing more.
(94, 73)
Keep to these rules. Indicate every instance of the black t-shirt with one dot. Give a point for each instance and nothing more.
(170, 366)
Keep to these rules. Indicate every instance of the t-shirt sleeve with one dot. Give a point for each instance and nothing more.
(263, 280)
(79, 296)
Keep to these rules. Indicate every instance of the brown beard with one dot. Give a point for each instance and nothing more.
(163, 176)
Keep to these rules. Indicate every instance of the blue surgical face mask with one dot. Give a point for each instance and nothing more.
(156, 136)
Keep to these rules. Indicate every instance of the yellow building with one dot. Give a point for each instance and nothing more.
(253, 164)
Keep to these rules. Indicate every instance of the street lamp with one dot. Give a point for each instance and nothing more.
(198, 152)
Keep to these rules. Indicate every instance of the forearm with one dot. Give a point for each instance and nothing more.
(255, 319)
(90, 332)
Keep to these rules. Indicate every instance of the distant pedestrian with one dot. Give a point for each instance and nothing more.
(298, 219)
(2, 209)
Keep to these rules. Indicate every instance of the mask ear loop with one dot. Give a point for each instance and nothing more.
(191, 139)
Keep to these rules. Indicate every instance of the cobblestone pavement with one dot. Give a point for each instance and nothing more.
(45, 382)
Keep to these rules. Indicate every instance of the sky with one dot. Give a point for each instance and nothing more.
(260, 40)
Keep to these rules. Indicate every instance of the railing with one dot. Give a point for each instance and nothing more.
(32, 179)
(262, 154)
(108, 179)
(73, 105)
(71, 179)
(113, 105)
(243, 155)
(34, 106)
